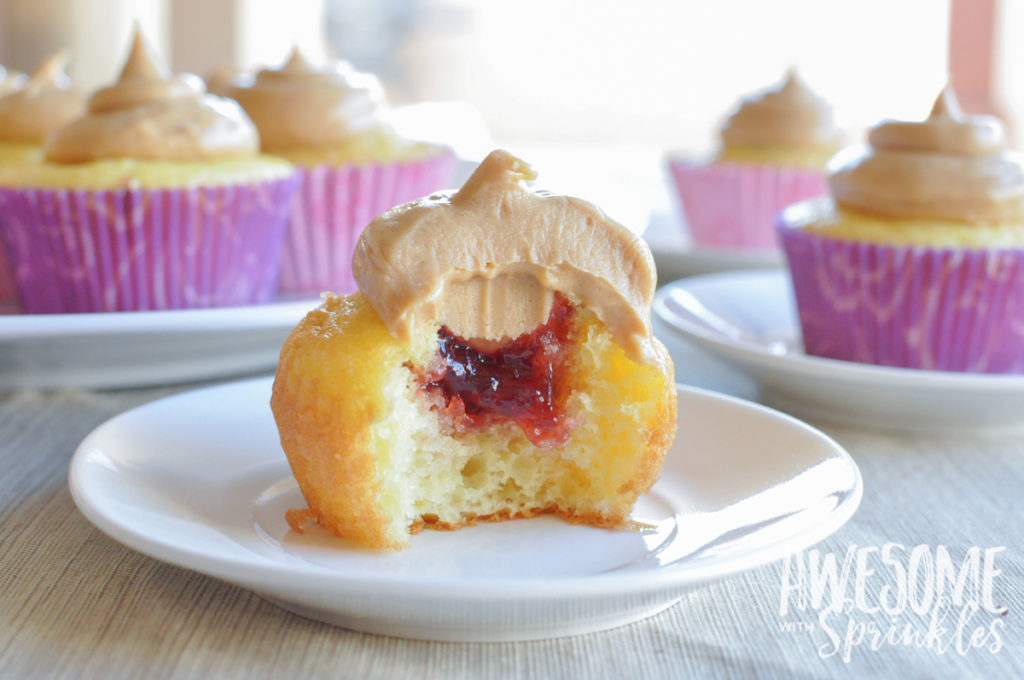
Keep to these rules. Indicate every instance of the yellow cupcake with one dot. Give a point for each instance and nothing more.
(916, 259)
(34, 108)
(496, 363)
(331, 122)
(331, 115)
(946, 182)
(786, 125)
(153, 129)
(156, 198)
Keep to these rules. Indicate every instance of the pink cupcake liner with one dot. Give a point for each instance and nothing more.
(733, 206)
(914, 307)
(333, 207)
(145, 249)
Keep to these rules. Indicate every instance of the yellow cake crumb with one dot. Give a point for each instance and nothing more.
(121, 173)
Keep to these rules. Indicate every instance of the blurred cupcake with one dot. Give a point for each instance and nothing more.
(42, 104)
(331, 122)
(220, 81)
(773, 152)
(28, 113)
(917, 260)
(155, 199)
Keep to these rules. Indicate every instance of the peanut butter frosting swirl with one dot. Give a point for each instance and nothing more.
(950, 166)
(789, 114)
(486, 260)
(150, 114)
(44, 104)
(303, 106)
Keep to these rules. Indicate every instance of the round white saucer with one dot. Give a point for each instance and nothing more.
(749, 319)
(133, 349)
(199, 480)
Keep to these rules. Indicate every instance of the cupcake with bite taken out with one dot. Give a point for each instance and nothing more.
(496, 362)
(917, 259)
(156, 198)
(773, 151)
(29, 111)
(331, 122)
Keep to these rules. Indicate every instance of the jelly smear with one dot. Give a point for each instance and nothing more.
(521, 381)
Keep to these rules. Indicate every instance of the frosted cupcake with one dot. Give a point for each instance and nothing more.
(917, 260)
(331, 122)
(773, 152)
(29, 111)
(155, 199)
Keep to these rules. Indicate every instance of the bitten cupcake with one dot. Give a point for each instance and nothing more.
(331, 122)
(917, 260)
(773, 151)
(28, 113)
(155, 199)
(497, 362)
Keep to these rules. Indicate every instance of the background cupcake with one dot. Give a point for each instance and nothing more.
(32, 109)
(331, 122)
(155, 199)
(773, 152)
(43, 103)
(918, 261)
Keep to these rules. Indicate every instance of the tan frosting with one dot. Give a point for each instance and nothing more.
(950, 166)
(302, 106)
(46, 102)
(220, 81)
(789, 114)
(487, 259)
(153, 115)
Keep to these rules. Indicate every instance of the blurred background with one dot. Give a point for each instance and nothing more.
(538, 75)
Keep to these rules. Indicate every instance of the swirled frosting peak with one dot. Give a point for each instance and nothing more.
(300, 105)
(44, 104)
(950, 166)
(789, 114)
(486, 261)
(152, 114)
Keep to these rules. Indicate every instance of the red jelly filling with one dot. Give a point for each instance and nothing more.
(521, 381)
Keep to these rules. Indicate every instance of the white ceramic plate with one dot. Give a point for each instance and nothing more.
(749, 319)
(199, 480)
(131, 349)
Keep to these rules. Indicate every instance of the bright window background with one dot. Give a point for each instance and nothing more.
(653, 71)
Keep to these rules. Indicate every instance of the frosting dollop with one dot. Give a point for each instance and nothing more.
(950, 166)
(150, 114)
(45, 103)
(487, 259)
(789, 114)
(300, 105)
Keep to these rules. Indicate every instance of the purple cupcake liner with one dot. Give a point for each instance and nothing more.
(333, 207)
(913, 307)
(145, 249)
(8, 291)
(733, 206)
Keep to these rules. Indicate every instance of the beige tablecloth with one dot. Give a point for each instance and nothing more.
(77, 604)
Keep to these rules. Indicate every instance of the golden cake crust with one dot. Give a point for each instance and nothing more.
(330, 390)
